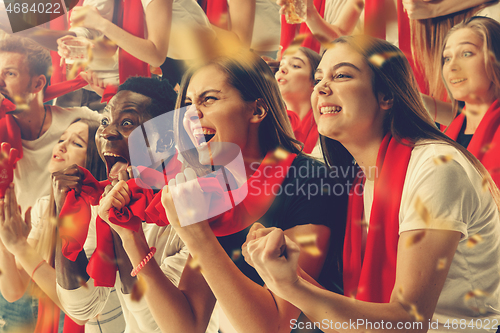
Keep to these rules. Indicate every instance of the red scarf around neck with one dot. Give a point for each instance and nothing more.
(305, 130)
(485, 143)
(370, 276)
(254, 205)
(75, 216)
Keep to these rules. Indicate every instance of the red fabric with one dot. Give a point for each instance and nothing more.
(63, 88)
(254, 205)
(109, 92)
(9, 130)
(305, 130)
(71, 327)
(375, 18)
(370, 276)
(77, 209)
(485, 143)
(217, 12)
(289, 31)
(131, 19)
(102, 267)
(48, 316)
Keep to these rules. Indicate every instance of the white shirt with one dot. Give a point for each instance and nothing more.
(453, 194)
(171, 256)
(31, 176)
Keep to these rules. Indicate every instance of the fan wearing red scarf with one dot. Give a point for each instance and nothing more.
(472, 76)
(235, 100)
(411, 259)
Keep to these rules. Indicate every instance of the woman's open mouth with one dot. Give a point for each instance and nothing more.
(203, 135)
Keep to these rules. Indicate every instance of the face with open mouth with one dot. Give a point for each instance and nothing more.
(71, 147)
(345, 106)
(294, 76)
(124, 112)
(464, 69)
(216, 114)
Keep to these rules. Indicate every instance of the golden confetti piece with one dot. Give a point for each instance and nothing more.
(82, 282)
(422, 211)
(194, 263)
(441, 264)
(414, 312)
(378, 59)
(474, 240)
(487, 147)
(236, 255)
(476, 293)
(308, 244)
(155, 70)
(311, 249)
(138, 290)
(417, 237)
(296, 44)
(281, 153)
(485, 184)
(442, 159)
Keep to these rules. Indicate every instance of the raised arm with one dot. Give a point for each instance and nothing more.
(242, 18)
(152, 49)
(423, 9)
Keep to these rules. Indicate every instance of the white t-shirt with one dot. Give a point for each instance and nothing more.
(187, 17)
(453, 194)
(171, 255)
(110, 320)
(31, 177)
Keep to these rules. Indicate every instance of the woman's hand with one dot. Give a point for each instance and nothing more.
(14, 230)
(64, 181)
(87, 17)
(187, 206)
(420, 9)
(274, 256)
(94, 81)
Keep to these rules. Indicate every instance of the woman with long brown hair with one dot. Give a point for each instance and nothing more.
(422, 246)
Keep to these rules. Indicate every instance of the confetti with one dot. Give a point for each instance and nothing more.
(441, 264)
(417, 237)
(194, 263)
(409, 307)
(487, 147)
(308, 244)
(414, 312)
(281, 153)
(236, 255)
(474, 240)
(485, 183)
(476, 293)
(155, 70)
(296, 43)
(138, 290)
(442, 159)
(422, 211)
(378, 59)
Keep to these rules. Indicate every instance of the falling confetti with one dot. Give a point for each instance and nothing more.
(378, 59)
(236, 255)
(414, 312)
(422, 211)
(138, 290)
(417, 237)
(308, 244)
(155, 70)
(194, 264)
(487, 147)
(281, 153)
(441, 264)
(476, 293)
(442, 159)
(474, 240)
(296, 43)
(409, 307)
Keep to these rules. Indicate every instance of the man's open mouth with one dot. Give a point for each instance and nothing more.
(115, 164)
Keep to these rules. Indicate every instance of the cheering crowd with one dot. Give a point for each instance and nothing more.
(205, 166)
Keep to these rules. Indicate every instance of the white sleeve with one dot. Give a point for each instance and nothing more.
(105, 8)
(37, 212)
(446, 192)
(85, 302)
(173, 265)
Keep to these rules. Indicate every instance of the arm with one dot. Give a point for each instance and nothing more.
(441, 112)
(183, 309)
(417, 281)
(152, 50)
(242, 17)
(424, 9)
(13, 280)
(344, 25)
(232, 289)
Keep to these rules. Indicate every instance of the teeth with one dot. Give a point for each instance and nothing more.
(111, 154)
(199, 131)
(330, 109)
(457, 80)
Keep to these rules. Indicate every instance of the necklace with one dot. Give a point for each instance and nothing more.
(43, 122)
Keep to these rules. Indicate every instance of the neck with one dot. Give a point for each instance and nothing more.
(30, 121)
(300, 106)
(365, 154)
(475, 110)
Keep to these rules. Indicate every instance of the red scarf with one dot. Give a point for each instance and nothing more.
(289, 31)
(9, 130)
(485, 143)
(101, 266)
(305, 130)
(250, 209)
(372, 278)
(48, 319)
(216, 11)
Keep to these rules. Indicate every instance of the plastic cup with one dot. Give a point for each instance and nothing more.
(78, 51)
(295, 11)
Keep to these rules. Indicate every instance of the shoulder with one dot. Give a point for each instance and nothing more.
(74, 113)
